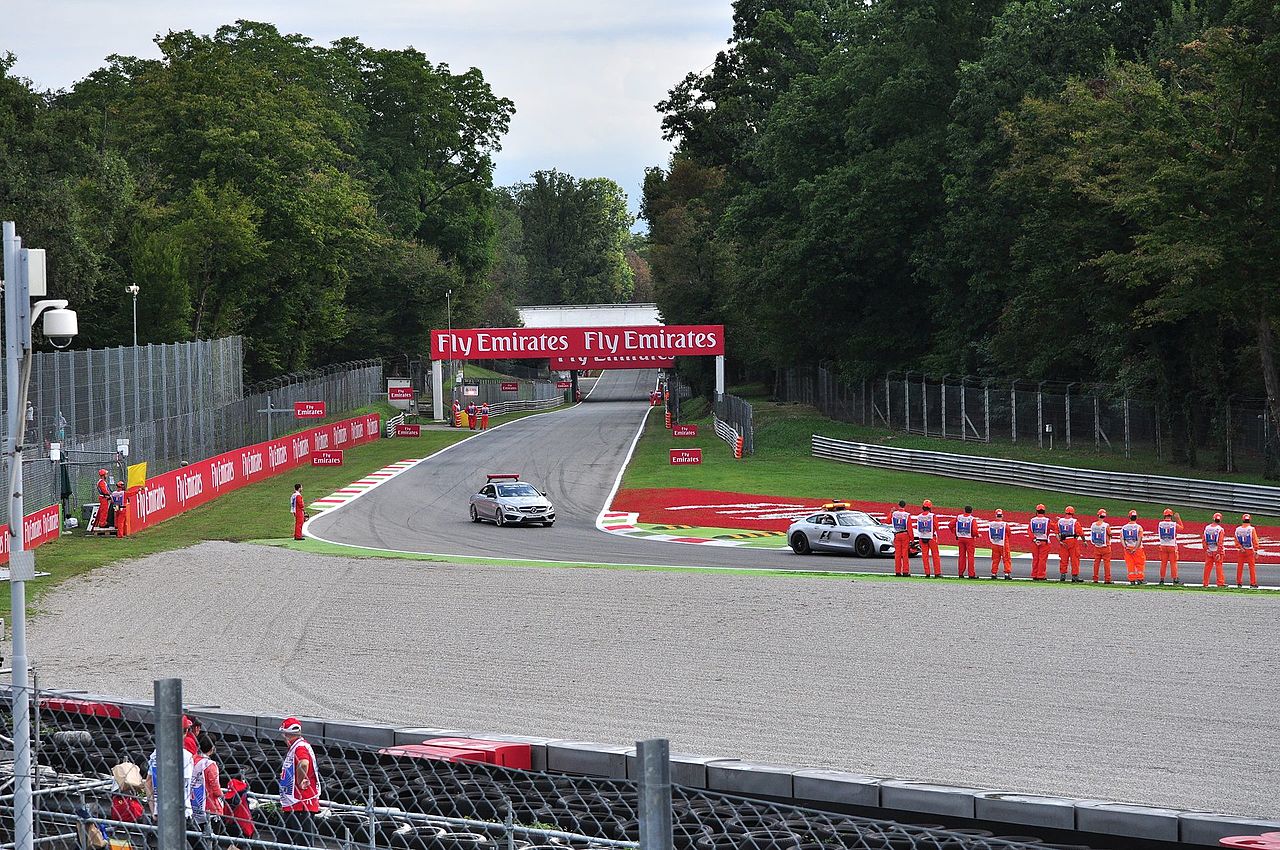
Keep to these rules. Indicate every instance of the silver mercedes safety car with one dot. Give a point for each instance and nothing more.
(837, 528)
(506, 500)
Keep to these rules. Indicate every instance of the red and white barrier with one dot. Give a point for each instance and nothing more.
(40, 527)
(171, 493)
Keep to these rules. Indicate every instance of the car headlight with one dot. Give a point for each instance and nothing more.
(881, 536)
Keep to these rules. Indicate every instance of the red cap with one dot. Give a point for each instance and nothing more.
(926, 504)
(1070, 509)
(1245, 518)
(1039, 508)
(1168, 512)
(186, 722)
(291, 726)
(1102, 512)
(1217, 517)
(102, 473)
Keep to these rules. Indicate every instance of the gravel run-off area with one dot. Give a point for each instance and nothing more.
(1164, 698)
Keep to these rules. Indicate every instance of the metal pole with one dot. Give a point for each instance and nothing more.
(269, 415)
(1013, 411)
(1097, 422)
(888, 408)
(944, 407)
(924, 404)
(170, 806)
(1040, 413)
(1127, 447)
(964, 416)
(135, 320)
(906, 402)
(1068, 400)
(986, 410)
(655, 815)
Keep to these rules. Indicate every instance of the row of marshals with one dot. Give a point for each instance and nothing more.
(471, 415)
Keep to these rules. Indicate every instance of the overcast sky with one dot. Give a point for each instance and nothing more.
(584, 74)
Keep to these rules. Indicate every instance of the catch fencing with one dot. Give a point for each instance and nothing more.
(377, 796)
(1217, 495)
(174, 403)
(1049, 414)
(733, 420)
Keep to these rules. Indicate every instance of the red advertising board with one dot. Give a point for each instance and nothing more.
(399, 393)
(649, 341)
(403, 430)
(308, 410)
(39, 527)
(563, 385)
(684, 457)
(327, 457)
(684, 430)
(171, 493)
(511, 386)
(619, 362)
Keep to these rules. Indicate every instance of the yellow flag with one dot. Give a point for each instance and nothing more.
(137, 475)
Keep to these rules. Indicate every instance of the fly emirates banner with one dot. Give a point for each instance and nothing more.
(642, 341)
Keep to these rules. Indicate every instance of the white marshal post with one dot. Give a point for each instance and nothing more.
(437, 390)
(719, 376)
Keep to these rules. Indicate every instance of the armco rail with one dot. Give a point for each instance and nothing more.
(875, 796)
(1192, 492)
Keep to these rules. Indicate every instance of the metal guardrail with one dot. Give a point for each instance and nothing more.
(398, 419)
(1192, 492)
(501, 407)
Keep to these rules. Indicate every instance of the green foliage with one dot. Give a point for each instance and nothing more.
(1030, 188)
(253, 182)
(574, 236)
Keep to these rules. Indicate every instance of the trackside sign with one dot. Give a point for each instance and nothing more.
(309, 410)
(685, 457)
(560, 364)
(645, 341)
(327, 457)
(684, 430)
(39, 527)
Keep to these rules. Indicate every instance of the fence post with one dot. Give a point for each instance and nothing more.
(1040, 413)
(906, 402)
(986, 409)
(1068, 400)
(1013, 411)
(655, 815)
(1229, 460)
(924, 404)
(170, 805)
(964, 416)
(1127, 448)
(1097, 423)
(888, 412)
(944, 407)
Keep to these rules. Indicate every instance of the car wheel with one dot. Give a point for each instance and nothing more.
(863, 547)
(800, 543)
(475, 516)
(499, 518)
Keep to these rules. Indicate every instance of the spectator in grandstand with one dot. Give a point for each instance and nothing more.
(1100, 537)
(298, 507)
(1215, 540)
(1039, 528)
(966, 537)
(1167, 531)
(901, 519)
(998, 537)
(206, 788)
(299, 785)
(1135, 558)
(926, 526)
(1247, 540)
(1069, 537)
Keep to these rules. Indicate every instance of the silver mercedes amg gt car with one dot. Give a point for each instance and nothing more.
(506, 500)
(836, 528)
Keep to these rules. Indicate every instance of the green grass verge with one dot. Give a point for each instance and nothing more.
(322, 548)
(251, 513)
(783, 466)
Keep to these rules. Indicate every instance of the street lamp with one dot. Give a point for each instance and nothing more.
(132, 289)
(24, 277)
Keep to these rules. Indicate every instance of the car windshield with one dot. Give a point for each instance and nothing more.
(855, 518)
(519, 488)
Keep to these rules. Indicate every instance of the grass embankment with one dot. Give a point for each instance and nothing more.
(256, 512)
(783, 466)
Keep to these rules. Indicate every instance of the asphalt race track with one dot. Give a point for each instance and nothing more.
(575, 455)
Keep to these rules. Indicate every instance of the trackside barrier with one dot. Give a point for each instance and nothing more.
(392, 423)
(1192, 492)
(501, 407)
(40, 527)
(182, 489)
(729, 434)
(588, 789)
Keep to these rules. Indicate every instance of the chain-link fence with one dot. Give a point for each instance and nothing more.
(173, 403)
(410, 798)
(1048, 414)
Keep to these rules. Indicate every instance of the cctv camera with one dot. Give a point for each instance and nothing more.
(60, 327)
